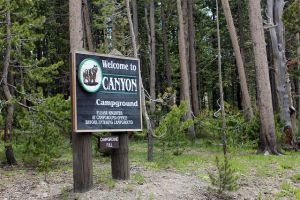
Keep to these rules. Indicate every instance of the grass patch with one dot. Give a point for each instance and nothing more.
(296, 178)
(139, 178)
(288, 191)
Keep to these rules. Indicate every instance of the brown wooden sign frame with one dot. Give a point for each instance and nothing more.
(74, 80)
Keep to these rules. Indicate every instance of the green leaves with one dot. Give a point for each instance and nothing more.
(291, 17)
(48, 127)
(173, 128)
(44, 74)
(225, 178)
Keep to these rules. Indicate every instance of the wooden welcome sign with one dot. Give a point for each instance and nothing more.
(106, 93)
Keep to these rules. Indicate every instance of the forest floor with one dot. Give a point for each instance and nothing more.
(167, 178)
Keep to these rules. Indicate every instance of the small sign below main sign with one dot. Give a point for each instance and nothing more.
(109, 142)
(106, 93)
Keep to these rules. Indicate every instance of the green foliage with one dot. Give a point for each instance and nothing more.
(48, 126)
(239, 131)
(139, 178)
(291, 17)
(225, 178)
(172, 130)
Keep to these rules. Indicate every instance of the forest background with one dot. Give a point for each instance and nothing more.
(178, 49)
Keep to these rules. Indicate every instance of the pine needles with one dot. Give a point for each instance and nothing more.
(225, 179)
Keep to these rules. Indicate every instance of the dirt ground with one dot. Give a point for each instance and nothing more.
(20, 184)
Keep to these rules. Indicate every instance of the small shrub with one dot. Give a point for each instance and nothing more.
(225, 178)
(48, 126)
(139, 178)
(172, 130)
(111, 183)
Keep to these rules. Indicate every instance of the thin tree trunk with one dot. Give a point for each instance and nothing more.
(144, 108)
(81, 142)
(184, 68)
(298, 85)
(221, 83)
(192, 60)
(153, 56)
(267, 124)
(10, 107)
(166, 44)
(135, 19)
(248, 112)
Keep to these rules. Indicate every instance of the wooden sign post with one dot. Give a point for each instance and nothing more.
(106, 97)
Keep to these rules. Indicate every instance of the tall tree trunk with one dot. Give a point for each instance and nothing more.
(87, 25)
(241, 32)
(184, 68)
(267, 124)
(153, 56)
(298, 80)
(167, 66)
(8, 96)
(135, 19)
(81, 142)
(275, 11)
(192, 60)
(143, 99)
(221, 83)
(184, 8)
(248, 112)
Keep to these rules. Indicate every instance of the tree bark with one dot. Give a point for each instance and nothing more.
(143, 99)
(192, 60)
(221, 83)
(153, 56)
(298, 67)
(275, 12)
(135, 19)
(184, 68)
(167, 66)
(149, 133)
(267, 125)
(8, 96)
(241, 25)
(248, 112)
(81, 142)
(87, 25)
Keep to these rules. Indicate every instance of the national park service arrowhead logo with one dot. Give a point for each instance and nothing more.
(90, 75)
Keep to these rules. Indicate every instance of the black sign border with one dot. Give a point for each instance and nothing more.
(74, 99)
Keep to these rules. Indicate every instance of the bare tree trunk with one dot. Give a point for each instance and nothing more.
(81, 142)
(10, 107)
(275, 12)
(184, 68)
(248, 112)
(267, 125)
(298, 67)
(135, 19)
(87, 25)
(192, 55)
(221, 84)
(166, 44)
(153, 56)
(185, 17)
(144, 108)
(241, 32)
